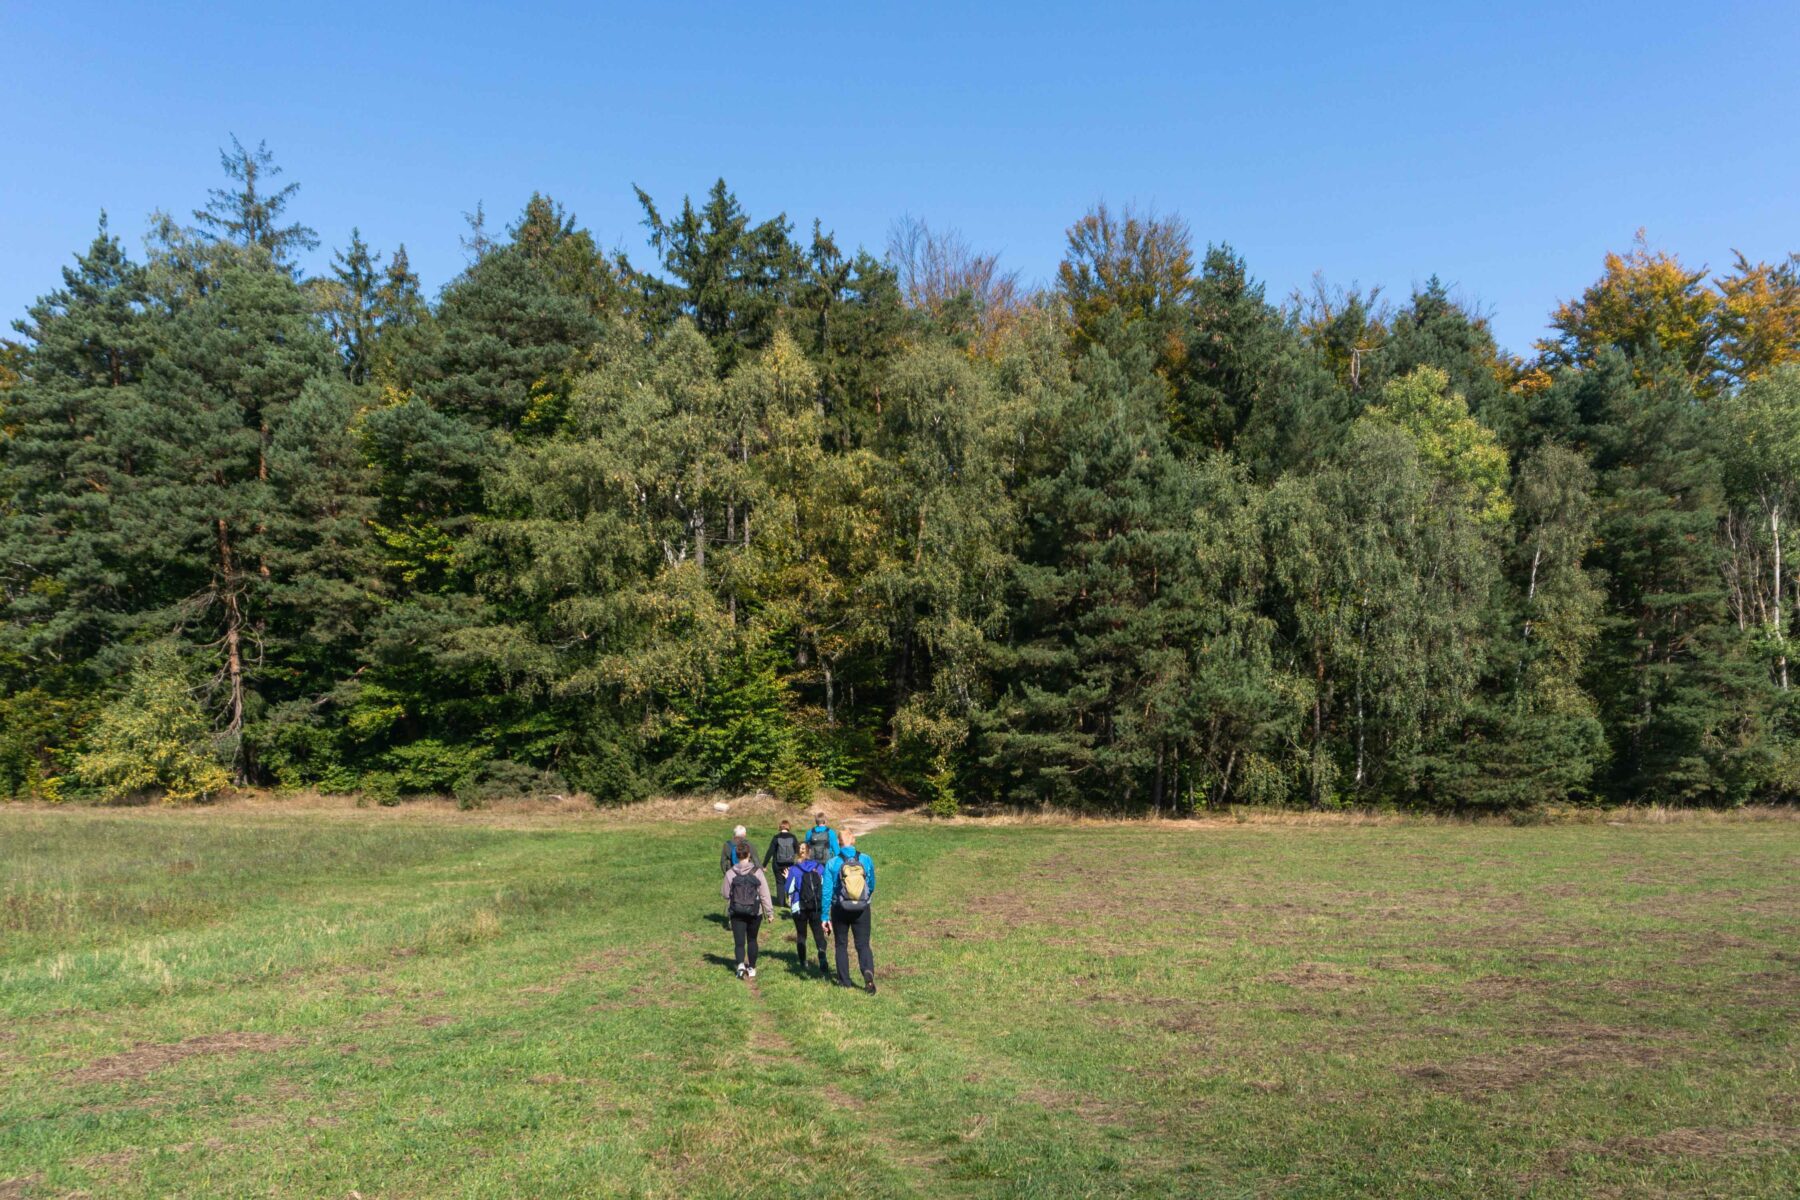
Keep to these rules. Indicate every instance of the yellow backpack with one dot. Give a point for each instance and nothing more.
(853, 886)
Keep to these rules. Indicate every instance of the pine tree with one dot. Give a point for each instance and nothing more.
(68, 458)
(233, 365)
(1097, 666)
(1685, 703)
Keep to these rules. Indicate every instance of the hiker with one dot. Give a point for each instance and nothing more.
(823, 839)
(728, 857)
(850, 884)
(746, 894)
(784, 852)
(805, 886)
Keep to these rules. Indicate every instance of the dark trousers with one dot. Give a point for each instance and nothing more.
(814, 922)
(743, 930)
(843, 924)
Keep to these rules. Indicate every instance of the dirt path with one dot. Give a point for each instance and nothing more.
(866, 823)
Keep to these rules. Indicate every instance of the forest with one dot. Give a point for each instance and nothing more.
(764, 512)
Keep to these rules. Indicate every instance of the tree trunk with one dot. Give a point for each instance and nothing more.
(233, 641)
(1156, 787)
(1780, 630)
(1318, 730)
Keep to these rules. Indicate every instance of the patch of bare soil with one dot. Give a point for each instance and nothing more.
(146, 1057)
(841, 1099)
(1318, 976)
(434, 1020)
(557, 1079)
(1571, 1050)
(1747, 1142)
(1707, 1143)
(18, 1187)
(647, 992)
(1090, 1108)
(1411, 965)
(112, 1160)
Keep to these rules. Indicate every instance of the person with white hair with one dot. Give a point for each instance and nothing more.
(728, 857)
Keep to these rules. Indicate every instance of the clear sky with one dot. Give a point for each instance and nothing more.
(1503, 147)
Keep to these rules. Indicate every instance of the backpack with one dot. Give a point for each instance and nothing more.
(853, 886)
(746, 895)
(819, 838)
(812, 891)
(787, 849)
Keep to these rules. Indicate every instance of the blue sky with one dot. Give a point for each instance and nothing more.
(1504, 148)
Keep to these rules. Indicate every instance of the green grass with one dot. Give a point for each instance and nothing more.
(235, 1003)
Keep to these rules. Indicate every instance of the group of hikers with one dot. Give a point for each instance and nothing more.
(824, 881)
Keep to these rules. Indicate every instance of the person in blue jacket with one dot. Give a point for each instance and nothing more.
(822, 838)
(807, 905)
(847, 913)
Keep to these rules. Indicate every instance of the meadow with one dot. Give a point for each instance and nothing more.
(394, 1003)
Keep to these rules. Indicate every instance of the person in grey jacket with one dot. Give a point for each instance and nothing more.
(745, 890)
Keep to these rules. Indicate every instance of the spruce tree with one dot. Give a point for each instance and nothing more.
(349, 300)
(849, 319)
(733, 279)
(250, 214)
(1433, 330)
(504, 346)
(566, 255)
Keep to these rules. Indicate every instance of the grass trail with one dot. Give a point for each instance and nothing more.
(226, 1003)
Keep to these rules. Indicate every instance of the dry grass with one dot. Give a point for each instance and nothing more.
(842, 808)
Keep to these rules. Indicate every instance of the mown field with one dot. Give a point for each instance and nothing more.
(337, 1004)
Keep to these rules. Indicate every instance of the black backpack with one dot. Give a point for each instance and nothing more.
(787, 849)
(746, 895)
(812, 891)
(819, 838)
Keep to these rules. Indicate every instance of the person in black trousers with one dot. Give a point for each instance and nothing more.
(805, 887)
(783, 852)
(746, 893)
(850, 888)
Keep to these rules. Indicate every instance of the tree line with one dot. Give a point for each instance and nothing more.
(761, 511)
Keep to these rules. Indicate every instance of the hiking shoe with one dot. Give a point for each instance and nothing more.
(741, 969)
(869, 984)
(752, 971)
